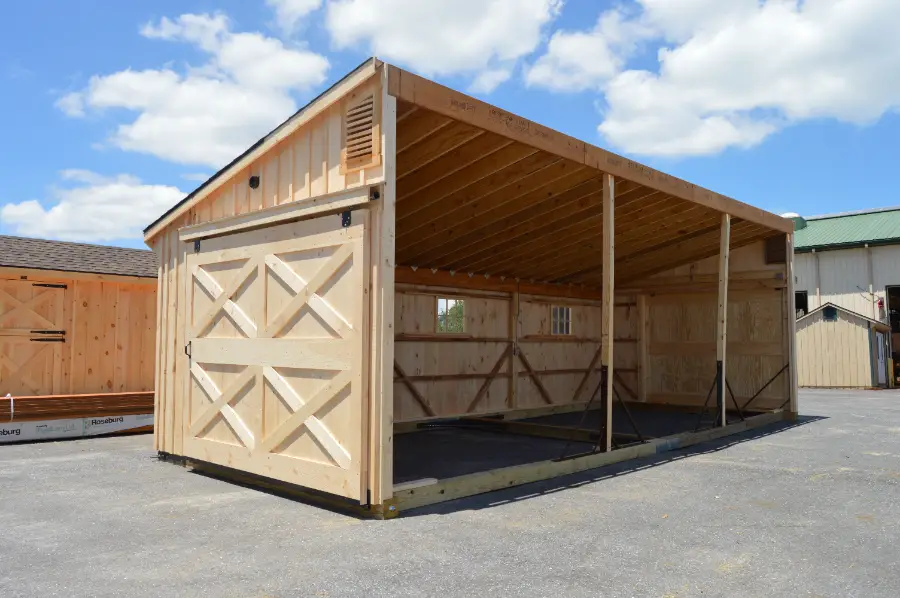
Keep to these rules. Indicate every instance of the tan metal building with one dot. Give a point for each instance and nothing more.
(404, 295)
(838, 348)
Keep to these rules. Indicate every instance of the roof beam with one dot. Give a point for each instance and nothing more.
(436, 97)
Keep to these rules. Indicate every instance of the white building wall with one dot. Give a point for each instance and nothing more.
(885, 267)
(845, 276)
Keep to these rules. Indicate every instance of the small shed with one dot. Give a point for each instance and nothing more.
(404, 295)
(77, 336)
(839, 348)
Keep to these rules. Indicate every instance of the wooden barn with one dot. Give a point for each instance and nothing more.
(839, 348)
(404, 295)
(77, 338)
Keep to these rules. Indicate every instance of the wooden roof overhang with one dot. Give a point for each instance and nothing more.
(483, 191)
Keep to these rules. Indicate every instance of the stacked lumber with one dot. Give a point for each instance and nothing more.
(56, 407)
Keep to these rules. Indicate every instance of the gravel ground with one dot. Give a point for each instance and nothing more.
(811, 509)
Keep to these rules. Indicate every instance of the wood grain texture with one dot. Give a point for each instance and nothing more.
(108, 329)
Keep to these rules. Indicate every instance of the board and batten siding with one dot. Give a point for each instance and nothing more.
(843, 277)
(834, 354)
(304, 165)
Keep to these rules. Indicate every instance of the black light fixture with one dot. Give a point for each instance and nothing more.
(254, 182)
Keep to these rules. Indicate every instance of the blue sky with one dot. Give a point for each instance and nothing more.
(117, 108)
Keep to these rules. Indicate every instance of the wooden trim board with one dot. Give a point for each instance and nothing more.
(295, 210)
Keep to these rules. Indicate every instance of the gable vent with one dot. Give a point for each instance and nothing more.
(361, 135)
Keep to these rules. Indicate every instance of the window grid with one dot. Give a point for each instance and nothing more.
(560, 320)
(451, 315)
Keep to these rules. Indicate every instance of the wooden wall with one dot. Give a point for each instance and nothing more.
(109, 335)
(450, 371)
(681, 323)
(665, 354)
(306, 164)
(834, 354)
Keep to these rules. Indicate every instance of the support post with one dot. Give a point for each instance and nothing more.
(513, 360)
(792, 323)
(609, 296)
(643, 348)
(722, 320)
(381, 455)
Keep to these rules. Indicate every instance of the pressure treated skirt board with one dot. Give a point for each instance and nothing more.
(71, 428)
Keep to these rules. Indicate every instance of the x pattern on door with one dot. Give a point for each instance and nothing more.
(305, 401)
(17, 377)
(22, 314)
(20, 317)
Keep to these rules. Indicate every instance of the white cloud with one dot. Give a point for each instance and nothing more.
(289, 12)
(732, 73)
(580, 60)
(72, 104)
(487, 81)
(91, 207)
(477, 37)
(209, 114)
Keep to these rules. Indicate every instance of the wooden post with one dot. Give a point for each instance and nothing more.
(382, 340)
(643, 348)
(609, 296)
(722, 319)
(514, 359)
(792, 322)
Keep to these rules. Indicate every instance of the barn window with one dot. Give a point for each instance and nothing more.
(829, 314)
(451, 315)
(362, 147)
(801, 303)
(560, 320)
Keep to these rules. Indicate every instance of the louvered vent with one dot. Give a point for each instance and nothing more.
(361, 131)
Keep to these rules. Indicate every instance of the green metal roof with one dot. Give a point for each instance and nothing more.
(875, 227)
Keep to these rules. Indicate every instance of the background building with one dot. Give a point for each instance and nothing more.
(852, 261)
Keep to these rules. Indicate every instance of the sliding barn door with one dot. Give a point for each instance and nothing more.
(32, 338)
(278, 352)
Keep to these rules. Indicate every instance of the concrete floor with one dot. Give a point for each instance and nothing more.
(808, 510)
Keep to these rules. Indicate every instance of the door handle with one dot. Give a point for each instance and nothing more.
(187, 349)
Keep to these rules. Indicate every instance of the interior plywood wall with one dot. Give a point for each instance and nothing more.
(682, 308)
(448, 371)
(677, 336)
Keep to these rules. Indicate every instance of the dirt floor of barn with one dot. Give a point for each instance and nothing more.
(805, 509)
(458, 448)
